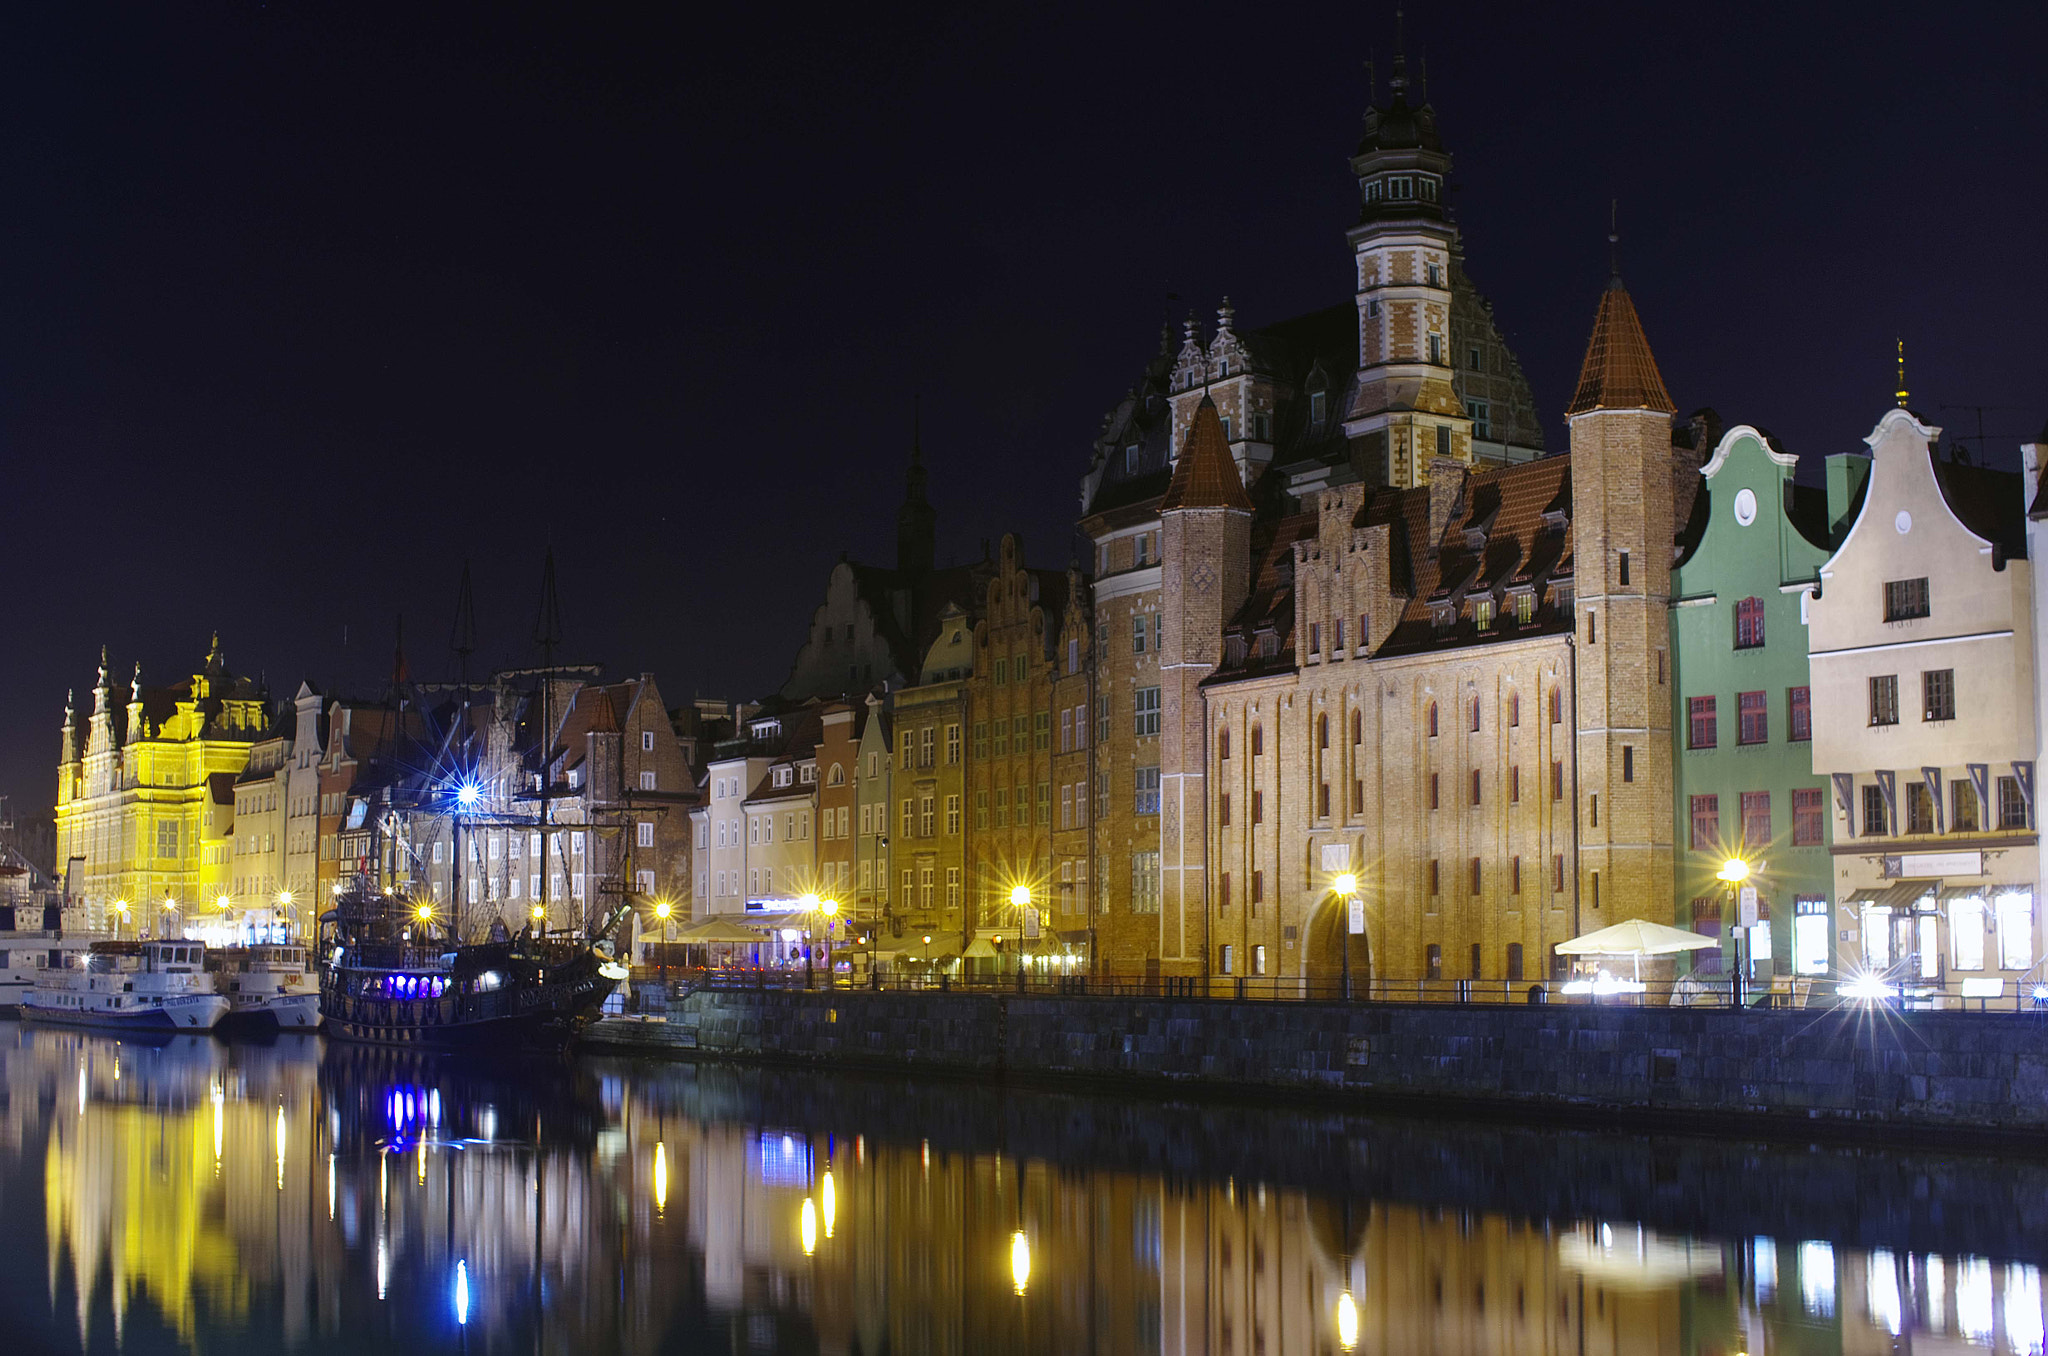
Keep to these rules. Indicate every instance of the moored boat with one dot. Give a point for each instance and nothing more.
(130, 986)
(269, 987)
(24, 955)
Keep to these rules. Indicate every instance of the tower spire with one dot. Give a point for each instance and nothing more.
(1614, 242)
(547, 624)
(1398, 85)
(1901, 392)
(916, 522)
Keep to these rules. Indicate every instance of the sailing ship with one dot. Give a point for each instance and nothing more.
(159, 986)
(412, 956)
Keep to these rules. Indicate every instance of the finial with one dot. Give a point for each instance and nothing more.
(1372, 82)
(1902, 374)
(1399, 84)
(1225, 314)
(1187, 329)
(1613, 243)
(70, 703)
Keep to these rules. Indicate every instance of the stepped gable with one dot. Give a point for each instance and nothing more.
(1206, 476)
(1619, 373)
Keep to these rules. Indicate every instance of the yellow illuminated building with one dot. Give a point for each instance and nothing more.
(145, 804)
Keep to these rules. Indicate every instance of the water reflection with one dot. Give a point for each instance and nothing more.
(196, 1195)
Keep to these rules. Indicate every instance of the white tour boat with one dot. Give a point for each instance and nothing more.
(24, 955)
(130, 986)
(268, 985)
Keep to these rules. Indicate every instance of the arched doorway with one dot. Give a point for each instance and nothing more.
(1326, 942)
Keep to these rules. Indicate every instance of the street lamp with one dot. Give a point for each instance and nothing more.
(284, 902)
(830, 908)
(1020, 899)
(1346, 888)
(121, 908)
(169, 906)
(1733, 873)
(810, 903)
(662, 911)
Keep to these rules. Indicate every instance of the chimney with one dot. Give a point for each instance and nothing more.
(1446, 488)
(2031, 456)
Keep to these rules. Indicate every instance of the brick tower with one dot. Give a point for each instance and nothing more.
(1407, 410)
(1205, 562)
(1622, 532)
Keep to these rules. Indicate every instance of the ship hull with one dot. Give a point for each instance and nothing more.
(520, 1015)
(194, 1014)
(286, 1012)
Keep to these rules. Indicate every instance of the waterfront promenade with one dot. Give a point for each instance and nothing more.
(1853, 1069)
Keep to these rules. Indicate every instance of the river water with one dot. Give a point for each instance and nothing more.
(312, 1197)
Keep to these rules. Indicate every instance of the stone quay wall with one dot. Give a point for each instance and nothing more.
(1847, 1067)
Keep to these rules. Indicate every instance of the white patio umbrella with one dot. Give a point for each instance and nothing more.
(1635, 939)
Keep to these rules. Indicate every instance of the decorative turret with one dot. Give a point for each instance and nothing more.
(1205, 476)
(1407, 412)
(135, 719)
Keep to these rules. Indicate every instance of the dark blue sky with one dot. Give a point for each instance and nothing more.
(304, 305)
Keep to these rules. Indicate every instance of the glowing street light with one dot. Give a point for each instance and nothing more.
(468, 794)
(662, 910)
(1733, 873)
(121, 908)
(1345, 887)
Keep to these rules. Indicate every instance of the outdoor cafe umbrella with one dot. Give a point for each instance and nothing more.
(717, 930)
(1635, 939)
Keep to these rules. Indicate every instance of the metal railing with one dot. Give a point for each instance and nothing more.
(1693, 991)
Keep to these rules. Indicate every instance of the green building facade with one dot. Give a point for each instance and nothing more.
(1744, 784)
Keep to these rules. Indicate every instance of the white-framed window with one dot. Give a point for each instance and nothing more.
(643, 882)
(1146, 711)
(647, 780)
(576, 842)
(647, 741)
(646, 833)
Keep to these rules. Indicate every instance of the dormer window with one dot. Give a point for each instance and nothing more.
(1131, 459)
(1525, 606)
(1440, 618)
(1225, 369)
(1315, 403)
(1482, 613)
(781, 777)
(809, 774)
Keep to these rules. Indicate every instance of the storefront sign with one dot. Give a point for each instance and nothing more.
(1357, 917)
(1913, 865)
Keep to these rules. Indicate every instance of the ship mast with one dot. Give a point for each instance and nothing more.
(547, 633)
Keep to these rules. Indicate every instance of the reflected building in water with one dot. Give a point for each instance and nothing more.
(280, 1194)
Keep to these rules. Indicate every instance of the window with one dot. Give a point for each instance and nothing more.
(1593, 810)
(1472, 717)
(1432, 720)
(1919, 809)
(1557, 779)
(167, 838)
(1557, 872)
(1706, 823)
(1515, 785)
(1073, 655)
(1556, 705)
(1436, 355)
(1962, 814)
(1749, 623)
(926, 738)
(647, 780)
(1515, 875)
(647, 741)
(1258, 807)
(1146, 718)
(981, 809)
(1223, 810)
(1433, 802)
(1938, 691)
(1752, 717)
(1475, 787)
(1628, 762)
(2015, 914)
(645, 834)
(1905, 599)
(1002, 739)
(1806, 816)
(1481, 415)
(1799, 721)
(980, 741)
(1756, 819)
(1433, 958)
(1435, 882)
(1223, 743)
(1144, 882)
(909, 816)
(1592, 627)
(1102, 719)
(2012, 806)
(1443, 431)
(1081, 727)
(1258, 889)
(1066, 729)
(1315, 638)
(1472, 877)
(952, 744)
(1044, 802)
(1876, 816)
(1884, 699)
(953, 814)
(1067, 805)
(1002, 674)
(1041, 730)
(1514, 961)
(952, 887)
(1621, 568)
(1102, 808)
(1145, 787)
(1223, 957)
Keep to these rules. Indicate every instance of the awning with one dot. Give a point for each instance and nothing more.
(1951, 893)
(718, 930)
(1905, 894)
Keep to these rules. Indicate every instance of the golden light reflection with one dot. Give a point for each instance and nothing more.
(1020, 1261)
(219, 1123)
(1347, 1321)
(829, 1199)
(660, 1177)
(423, 1163)
(280, 1148)
(807, 1226)
(330, 1186)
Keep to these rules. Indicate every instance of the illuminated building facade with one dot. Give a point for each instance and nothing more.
(145, 799)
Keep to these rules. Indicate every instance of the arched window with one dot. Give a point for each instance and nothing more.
(1475, 713)
(1258, 741)
(1432, 720)
(1514, 709)
(1322, 732)
(1357, 727)
(1223, 743)
(836, 777)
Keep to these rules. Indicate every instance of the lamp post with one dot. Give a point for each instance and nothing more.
(810, 903)
(1346, 888)
(169, 906)
(225, 904)
(662, 911)
(1733, 873)
(120, 916)
(830, 908)
(284, 903)
(1020, 900)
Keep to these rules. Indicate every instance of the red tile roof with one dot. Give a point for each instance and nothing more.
(1206, 475)
(1619, 373)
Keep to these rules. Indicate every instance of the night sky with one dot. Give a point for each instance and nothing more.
(305, 305)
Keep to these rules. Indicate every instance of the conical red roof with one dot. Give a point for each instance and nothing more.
(1620, 373)
(1206, 474)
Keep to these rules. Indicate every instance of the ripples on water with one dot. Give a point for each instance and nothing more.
(294, 1197)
